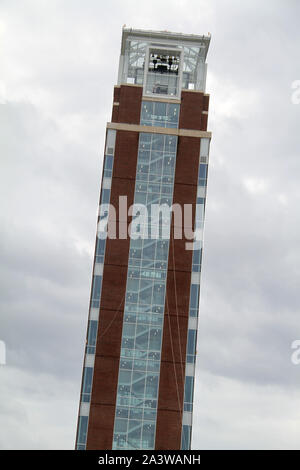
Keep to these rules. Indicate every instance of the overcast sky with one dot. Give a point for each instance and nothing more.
(58, 65)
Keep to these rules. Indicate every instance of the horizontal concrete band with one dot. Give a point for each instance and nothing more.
(163, 100)
(158, 130)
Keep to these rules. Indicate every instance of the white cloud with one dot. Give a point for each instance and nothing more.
(256, 186)
(235, 415)
(39, 414)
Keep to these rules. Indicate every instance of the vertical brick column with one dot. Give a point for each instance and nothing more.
(104, 391)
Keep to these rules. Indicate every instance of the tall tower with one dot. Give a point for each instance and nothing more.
(139, 363)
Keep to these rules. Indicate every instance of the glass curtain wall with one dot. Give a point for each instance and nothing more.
(137, 393)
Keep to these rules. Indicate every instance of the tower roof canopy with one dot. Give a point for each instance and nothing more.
(167, 37)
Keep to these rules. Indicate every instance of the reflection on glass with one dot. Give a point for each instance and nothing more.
(159, 114)
(145, 296)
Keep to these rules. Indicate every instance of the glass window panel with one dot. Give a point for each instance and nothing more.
(147, 111)
(144, 156)
(145, 294)
(129, 330)
(87, 380)
(153, 366)
(142, 187)
(188, 389)
(80, 447)
(142, 337)
(136, 413)
(140, 365)
(162, 250)
(125, 377)
(126, 364)
(148, 436)
(157, 320)
(186, 437)
(173, 113)
(187, 407)
(143, 168)
(155, 339)
(197, 256)
(124, 401)
(134, 434)
(160, 113)
(151, 386)
(156, 154)
(194, 296)
(145, 140)
(156, 166)
(110, 141)
(105, 196)
(108, 162)
(190, 358)
(170, 144)
(82, 429)
(132, 298)
(158, 142)
(92, 332)
(85, 397)
(196, 268)
(100, 246)
(128, 336)
(144, 316)
(123, 391)
(152, 199)
(138, 384)
(121, 425)
(168, 165)
(204, 147)
(97, 281)
(150, 404)
(193, 312)
(154, 188)
(107, 173)
(191, 346)
(202, 170)
(122, 412)
(167, 190)
(149, 414)
(136, 243)
(132, 285)
(158, 294)
(119, 441)
(140, 198)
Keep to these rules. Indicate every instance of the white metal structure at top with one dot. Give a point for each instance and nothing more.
(163, 62)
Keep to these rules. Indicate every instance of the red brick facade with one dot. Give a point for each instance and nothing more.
(126, 109)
